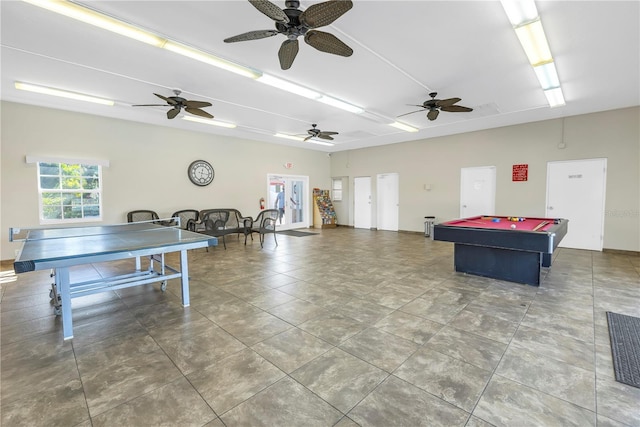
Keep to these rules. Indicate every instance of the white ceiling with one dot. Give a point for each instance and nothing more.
(402, 51)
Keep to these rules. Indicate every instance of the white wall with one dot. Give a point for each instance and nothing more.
(148, 165)
(613, 135)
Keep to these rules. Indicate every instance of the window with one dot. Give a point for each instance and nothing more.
(336, 189)
(69, 192)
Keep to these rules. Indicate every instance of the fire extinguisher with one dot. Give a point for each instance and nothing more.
(261, 203)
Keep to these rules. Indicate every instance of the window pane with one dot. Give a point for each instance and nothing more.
(90, 183)
(49, 169)
(71, 170)
(91, 211)
(52, 212)
(70, 183)
(90, 170)
(72, 211)
(49, 199)
(49, 182)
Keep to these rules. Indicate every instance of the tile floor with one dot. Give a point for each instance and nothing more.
(348, 327)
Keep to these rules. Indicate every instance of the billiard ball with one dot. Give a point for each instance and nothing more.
(513, 226)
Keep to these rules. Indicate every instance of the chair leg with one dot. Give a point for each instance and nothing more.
(224, 243)
(274, 238)
(261, 240)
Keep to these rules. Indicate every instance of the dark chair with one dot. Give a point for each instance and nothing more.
(142, 215)
(186, 216)
(264, 223)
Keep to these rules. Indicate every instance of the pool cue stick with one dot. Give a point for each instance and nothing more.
(539, 226)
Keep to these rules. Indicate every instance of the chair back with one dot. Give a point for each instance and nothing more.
(142, 215)
(186, 215)
(266, 220)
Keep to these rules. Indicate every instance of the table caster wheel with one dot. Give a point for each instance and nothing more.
(163, 286)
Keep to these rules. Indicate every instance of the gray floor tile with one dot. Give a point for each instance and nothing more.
(339, 378)
(291, 349)
(235, 379)
(380, 348)
(452, 380)
(397, 403)
(507, 403)
(274, 407)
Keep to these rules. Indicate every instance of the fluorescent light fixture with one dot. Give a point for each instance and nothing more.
(201, 56)
(318, 142)
(334, 102)
(100, 20)
(62, 93)
(547, 75)
(209, 122)
(288, 86)
(520, 11)
(284, 135)
(534, 43)
(555, 97)
(403, 127)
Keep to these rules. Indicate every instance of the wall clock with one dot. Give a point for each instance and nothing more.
(201, 173)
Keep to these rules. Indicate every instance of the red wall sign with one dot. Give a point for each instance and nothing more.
(520, 173)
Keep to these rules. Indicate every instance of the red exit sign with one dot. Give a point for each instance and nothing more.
(520, 173)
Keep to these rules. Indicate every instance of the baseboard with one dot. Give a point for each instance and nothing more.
(621, 252)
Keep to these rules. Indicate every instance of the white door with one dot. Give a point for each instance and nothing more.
(477, 191)
(387, 201)
(362, 202)
(290, 195)
(576, 191)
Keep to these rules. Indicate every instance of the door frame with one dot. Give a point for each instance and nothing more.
(307, 213)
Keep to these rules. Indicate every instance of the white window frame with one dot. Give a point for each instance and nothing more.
(336, 189)
(42, 191)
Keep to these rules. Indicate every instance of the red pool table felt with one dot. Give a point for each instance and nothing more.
(486, 222)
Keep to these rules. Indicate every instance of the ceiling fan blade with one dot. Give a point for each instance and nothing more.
(433, 114)
(173, 112)
(417, 111)
(328, 43)
(321, 14)
(197, 104)
(271, 10)
(324, 136)
(308, 138)
(447, 102)
(457, 109)
(167, 100)
(149, 105)
(198, 112)
(287, 53)
(251, 35)
(329, 133)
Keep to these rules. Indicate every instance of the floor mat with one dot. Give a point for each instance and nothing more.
(624, 332)
(296, 233)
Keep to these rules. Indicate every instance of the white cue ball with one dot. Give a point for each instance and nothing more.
(513, 226)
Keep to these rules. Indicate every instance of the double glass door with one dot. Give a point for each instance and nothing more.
(290, 195)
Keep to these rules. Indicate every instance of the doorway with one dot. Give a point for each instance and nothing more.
(387, 201)
(290, 195)
(477, 191)
(576, 191)
(362, 202)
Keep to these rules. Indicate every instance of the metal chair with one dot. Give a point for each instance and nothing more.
(264, 223)
(142, 215)
(185, 216)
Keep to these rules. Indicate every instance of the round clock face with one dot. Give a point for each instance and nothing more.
(201, 172)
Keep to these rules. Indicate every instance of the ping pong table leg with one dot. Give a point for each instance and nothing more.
(184, 277)
(64, 289)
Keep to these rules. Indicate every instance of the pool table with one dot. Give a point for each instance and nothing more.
(488, 246)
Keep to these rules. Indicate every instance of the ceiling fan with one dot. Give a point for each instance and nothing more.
(178, 103)
(435, 105)
(292, 22)
(317, 133)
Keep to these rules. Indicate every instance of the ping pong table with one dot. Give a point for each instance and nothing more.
(59, 249)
